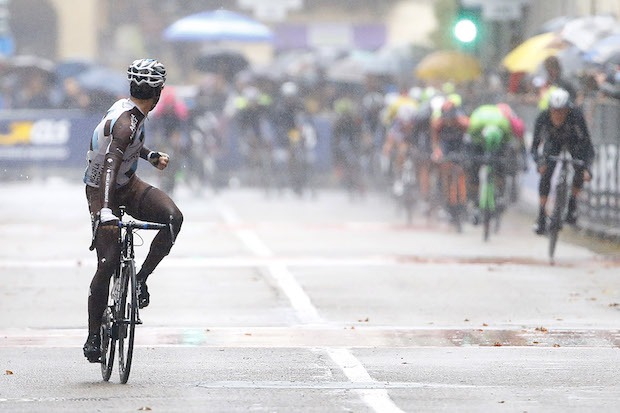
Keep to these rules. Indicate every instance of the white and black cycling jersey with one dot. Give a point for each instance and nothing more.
(124, 123)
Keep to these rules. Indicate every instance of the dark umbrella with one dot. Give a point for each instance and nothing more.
(32, 65)
(72, 68)
(227, 62)
(104, 80)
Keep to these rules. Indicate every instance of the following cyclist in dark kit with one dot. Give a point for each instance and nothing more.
(111, 181)
(562, 125)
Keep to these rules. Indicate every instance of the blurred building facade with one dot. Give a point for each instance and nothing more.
(118, 29)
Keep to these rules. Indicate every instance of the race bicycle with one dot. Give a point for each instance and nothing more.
(121, 316)
(561, 197)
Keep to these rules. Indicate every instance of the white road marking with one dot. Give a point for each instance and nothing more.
(377, 399)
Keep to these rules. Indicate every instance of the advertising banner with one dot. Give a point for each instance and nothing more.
(58, 138)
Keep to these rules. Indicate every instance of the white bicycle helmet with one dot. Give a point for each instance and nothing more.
(415, 93)
(406, 113)
(147, 71)
(289, 89)
(559, 99)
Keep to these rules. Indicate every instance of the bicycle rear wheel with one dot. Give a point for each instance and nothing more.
(108, 344)
(127, 319)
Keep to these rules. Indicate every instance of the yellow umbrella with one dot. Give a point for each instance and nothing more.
(530, 54)
(448, 65)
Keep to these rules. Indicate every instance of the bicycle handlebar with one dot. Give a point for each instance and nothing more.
(572, 161)
(128, 225)
(141, 225)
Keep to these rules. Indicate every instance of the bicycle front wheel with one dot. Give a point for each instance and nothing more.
(556, 218)
(127, 321)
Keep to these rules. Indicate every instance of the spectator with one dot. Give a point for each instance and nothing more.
(74, 96)
(554, 78)
(35, 93)
(609, 82)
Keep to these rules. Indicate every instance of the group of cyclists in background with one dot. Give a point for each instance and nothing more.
(425, 146)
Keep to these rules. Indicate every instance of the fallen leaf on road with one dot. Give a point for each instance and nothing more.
(536, 342)
(614, 305)
(485, 325)
(497, 344)
(502, 402)
(248, 334)
(144, 408)
(366, 319)
(543, 329)
(592, 299)
(352, 327)
(556, 345)
(9, 372)
(467, 319)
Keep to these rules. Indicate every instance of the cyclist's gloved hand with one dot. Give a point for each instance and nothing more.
(158, 159)
(106, 215)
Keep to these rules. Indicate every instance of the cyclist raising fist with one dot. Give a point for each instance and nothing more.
(111, 181)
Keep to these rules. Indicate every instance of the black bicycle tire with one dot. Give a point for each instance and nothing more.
(458, 207)
(556, 217)
(486, 223)
(126, 355)
(108, 345)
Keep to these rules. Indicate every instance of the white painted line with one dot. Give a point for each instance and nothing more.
(300, 301)
(254, 244)
(378, 399)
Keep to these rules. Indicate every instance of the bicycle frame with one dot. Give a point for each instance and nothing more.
(561, 197)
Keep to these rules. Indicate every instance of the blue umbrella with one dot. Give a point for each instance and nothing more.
(604, 49)
(104, 80)
(217, 25)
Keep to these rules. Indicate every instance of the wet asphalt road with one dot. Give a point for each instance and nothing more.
(281, 304)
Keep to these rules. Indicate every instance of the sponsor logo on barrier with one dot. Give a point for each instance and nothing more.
(44, 139)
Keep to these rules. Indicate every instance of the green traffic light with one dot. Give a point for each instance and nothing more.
(465, 31)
